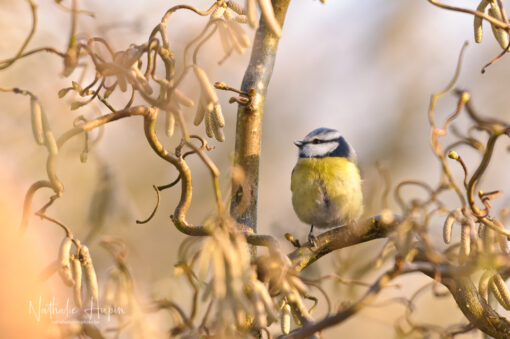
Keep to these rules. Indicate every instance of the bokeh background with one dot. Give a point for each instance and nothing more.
(364, 67)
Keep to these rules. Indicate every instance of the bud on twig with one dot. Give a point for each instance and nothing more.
(453, 155)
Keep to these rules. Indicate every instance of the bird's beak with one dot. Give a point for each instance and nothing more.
(298, 143)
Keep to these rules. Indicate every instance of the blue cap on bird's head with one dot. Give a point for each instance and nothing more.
(325, 142)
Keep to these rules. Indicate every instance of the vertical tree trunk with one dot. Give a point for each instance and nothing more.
(249, 118)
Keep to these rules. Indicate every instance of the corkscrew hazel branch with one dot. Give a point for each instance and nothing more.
(436, 132)
(493, 21)
(6, 63)
(204, 146)
(345, 313)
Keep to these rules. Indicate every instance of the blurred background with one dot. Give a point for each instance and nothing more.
(364, 67)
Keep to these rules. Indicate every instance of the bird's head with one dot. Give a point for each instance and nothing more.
(325, 142)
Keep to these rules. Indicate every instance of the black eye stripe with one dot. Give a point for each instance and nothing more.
(338, 148)
(320, 141)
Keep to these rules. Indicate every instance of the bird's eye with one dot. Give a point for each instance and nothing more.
(315, 141)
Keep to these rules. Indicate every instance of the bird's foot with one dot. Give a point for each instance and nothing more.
(312, 239)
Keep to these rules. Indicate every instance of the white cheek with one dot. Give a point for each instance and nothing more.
(314, 150)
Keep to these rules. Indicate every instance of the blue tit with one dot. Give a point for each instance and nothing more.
(325, 183)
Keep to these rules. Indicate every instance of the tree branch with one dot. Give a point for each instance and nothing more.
(249, 117)
(456, 279)
(340, 237)
(331, 320)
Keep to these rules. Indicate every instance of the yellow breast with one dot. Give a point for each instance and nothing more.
(326, 191)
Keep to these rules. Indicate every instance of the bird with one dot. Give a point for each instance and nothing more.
(326, 182)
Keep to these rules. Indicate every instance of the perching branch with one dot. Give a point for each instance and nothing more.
(342, 237)
(471, 303)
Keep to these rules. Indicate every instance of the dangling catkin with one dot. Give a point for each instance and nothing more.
(65, 262)
(90, 274)
(500, 35)
(478, 21)
(36, 114)
(77, 276)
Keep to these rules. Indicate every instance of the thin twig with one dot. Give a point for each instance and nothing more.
(69, 234)
(155, 207)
